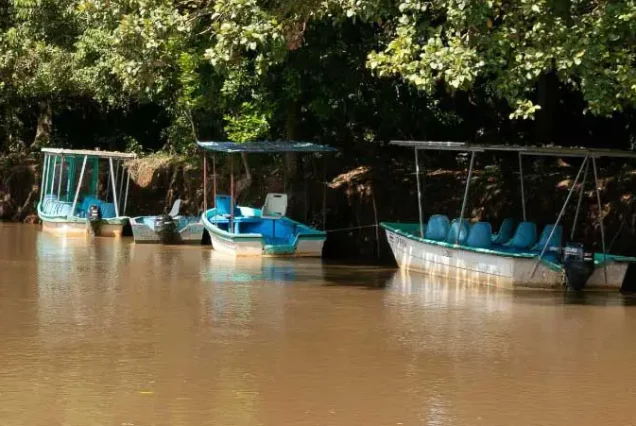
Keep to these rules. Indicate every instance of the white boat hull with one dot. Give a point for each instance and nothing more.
(489, 269)
(80, 229)
(191, 234)
(254, 247)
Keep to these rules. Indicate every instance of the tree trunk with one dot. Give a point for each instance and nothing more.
(246, 165)
(546, 117)
(291, 158)
(246, 181)
(45, 125)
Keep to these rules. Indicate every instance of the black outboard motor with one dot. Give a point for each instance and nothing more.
(94, 216)
(578, 266)
(166, 228)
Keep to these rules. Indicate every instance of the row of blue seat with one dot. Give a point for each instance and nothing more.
(480, 235)
(107, 210)
(53, 207)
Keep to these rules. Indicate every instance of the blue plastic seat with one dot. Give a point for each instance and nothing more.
(64, 209)
(224, 205)
(480, 235)
(555, 241)
(437, 227)
(525, 236)
(458, 232)
(89, 201)
(505, 231)
(108, 210)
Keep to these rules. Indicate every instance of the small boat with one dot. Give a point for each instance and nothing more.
(250, 231)
(265, 231)
(69, 202)
(517, 256)
(170, 228)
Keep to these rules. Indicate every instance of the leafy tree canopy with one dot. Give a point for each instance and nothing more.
(351, 70)
(508, 46)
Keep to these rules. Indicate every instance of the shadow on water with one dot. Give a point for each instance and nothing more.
(414, 283)
(598, 298)
(228, 269)
(369, 278)
(573, 298)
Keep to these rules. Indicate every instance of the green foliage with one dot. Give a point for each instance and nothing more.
(130, 49)
(342, 70)
(507, 47)
(132, 145)
(249, 124)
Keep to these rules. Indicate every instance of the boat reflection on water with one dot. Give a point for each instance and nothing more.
(431, 289)
(223, 268)
(58, 259)
(180, 261)
(67, 292)
(420, 288)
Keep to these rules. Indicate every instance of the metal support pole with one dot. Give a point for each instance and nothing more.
(59, 184)
(578, 204)
(53, 180)
(324, 195)
(96, 173)
(461, 215)
(127, 187)
(214, 178)
(214, 187)
(79, 185)
(419, 194)
(114, 185)
(121, 183)
(71, 174)
(116, 165)
(600, 217)
(44, 171)
(567, 199)
(523, 192)
(205, 182)
(108, 185)
(232, 201)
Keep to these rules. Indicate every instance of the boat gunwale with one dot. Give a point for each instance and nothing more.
(315, 234)
(75, 219)
(390, 226)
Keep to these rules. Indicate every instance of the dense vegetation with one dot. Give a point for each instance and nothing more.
(152, 74)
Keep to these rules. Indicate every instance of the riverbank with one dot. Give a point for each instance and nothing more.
(360, 193)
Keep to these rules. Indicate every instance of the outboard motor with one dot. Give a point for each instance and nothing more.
(166, 228)
(94, 216)
(578, 265)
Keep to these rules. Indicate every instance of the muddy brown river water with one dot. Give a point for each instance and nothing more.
(112, 333)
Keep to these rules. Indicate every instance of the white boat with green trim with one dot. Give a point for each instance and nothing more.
(70, 203)
(171, 228)
(517, 256)
(267, 231)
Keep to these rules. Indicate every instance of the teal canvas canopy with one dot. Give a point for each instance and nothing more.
(547, 150)
(264, 147)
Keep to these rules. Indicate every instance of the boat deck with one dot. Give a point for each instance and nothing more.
(412, 231)
(252, 234)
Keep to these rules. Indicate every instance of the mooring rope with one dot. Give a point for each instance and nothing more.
(353, 228)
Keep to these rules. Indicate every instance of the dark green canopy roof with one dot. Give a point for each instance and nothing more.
(548, 150)
(270, 147)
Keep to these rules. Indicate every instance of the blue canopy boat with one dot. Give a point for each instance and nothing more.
(170, 228)
(265, 231)
(517, 256)
(69, 202)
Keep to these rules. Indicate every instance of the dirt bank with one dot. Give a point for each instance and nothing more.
(360, 193)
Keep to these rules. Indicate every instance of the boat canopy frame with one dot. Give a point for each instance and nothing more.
(588, 155)
(254, 147)
(116, 162)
